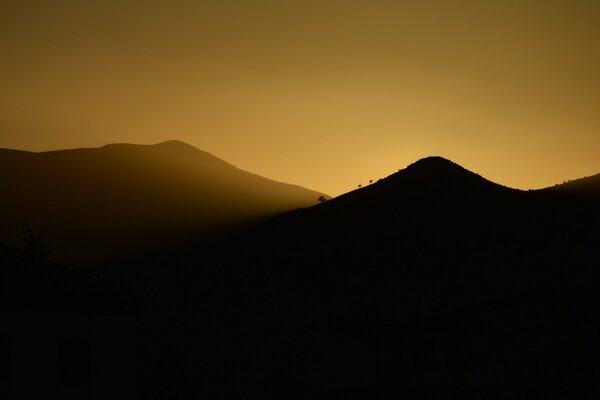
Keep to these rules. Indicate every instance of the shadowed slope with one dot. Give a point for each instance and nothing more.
(122, 197)
(431, 283)
(60, 327)
(584, 187)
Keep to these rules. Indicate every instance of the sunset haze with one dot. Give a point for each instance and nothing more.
(323, 94)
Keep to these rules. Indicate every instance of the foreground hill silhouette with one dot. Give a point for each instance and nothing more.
(50, 318)
(431, 283)
(123, 197)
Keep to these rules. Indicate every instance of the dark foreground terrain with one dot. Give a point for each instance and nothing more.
(433, 283)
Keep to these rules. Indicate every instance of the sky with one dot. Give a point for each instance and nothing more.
(326, 94)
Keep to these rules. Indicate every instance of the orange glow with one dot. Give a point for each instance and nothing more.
(327, 95)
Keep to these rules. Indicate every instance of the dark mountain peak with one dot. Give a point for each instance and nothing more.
(436, 175)
(434, 181)
(439, 160)
(436, 171)
(435, 166)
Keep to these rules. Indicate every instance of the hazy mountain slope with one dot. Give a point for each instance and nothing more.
(122, 197)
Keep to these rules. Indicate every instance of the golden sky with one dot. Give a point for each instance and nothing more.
(326, 94)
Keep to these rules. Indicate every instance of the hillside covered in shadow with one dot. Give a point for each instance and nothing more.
(432, 283)
(64, 333)
(583, 187)
(101, 203)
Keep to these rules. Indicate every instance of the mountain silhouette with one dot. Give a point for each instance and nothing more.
(432, 192)
(426, 180)
(100, 202)
(438, 173)
(431, 283)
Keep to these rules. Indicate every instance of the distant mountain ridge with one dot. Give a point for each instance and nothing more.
(98, 202)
